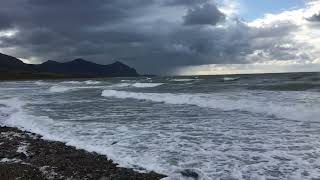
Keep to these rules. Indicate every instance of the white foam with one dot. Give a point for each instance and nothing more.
(17, 116)
(23, 148)
(183, 80)
(20, 88)
(71, 82)
(119, 85)
(6, 160)
(124, 80)
(55, 130)
(9, 105)
(40, 83)
(136, 85)
(230, 78)
(90, 82)
(219, 101)
(49, 173)
(146, 85)
(59, 89)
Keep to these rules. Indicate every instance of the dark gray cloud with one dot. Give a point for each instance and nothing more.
(208, 14)
(155, 36)
(184, 2)
(5, 21)
(315, 17)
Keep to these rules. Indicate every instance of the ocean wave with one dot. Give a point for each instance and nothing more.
(120, 85)
(146, 85)
(17, 116)
(183, 80)
(217, 101)
(136, 85)
(306, 77)
(14, 114)
(286, 87)
(18, 89)
(59, 89)
(71, 82)
(230, 78)
(124, 80)
(90, 82)
(40, 83)
(6, 108)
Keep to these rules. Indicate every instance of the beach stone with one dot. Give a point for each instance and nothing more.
(55, 160)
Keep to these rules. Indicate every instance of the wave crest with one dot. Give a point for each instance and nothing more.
(59, 89)
(136, 85)
(91, 82)
(216, 101)
(183, 80)
(230, 78)
(71, 82)
(146, 85)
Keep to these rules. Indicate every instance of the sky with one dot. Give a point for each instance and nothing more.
(170, 37)
(258, 8)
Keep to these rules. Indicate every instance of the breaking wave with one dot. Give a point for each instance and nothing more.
(71, 82)
(146, 85)
(90, 82)
(230, 78)
(217, 101)
(125, 80)
(14, 114)
(183, 80)
(287, 87)
(40, 83)
(136, 85)
(59, 89)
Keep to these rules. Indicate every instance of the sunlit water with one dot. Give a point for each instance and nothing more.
(236, 127)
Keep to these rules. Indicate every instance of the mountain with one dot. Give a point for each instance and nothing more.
(13, 68)
(11, 63)
(85, 68)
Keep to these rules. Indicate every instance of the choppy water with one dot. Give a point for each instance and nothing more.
(232, 127)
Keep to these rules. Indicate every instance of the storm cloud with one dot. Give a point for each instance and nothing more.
(315, 17)
(154, 36)
(207, 14)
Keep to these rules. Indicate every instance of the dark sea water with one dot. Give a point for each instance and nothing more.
(214, 127)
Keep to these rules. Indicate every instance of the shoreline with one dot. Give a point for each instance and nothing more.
(25, 155)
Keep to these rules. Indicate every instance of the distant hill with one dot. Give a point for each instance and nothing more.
(85, 68)
(13, 68)
(11, 63)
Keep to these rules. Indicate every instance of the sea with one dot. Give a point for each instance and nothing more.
(263, 126)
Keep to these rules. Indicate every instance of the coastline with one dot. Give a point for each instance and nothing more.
(25, 155)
